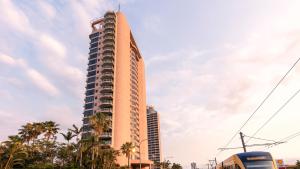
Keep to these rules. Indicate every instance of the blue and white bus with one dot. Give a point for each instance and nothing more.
(249, 160)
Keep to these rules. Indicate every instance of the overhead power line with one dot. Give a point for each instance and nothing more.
(260, 138)
(261, 104)
(286, 139)
(274, 114)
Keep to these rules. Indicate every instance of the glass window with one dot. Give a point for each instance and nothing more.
(89, 92)
(89, 99)
(93, 73)
(93, 56)
(94, 50)
(259, 165)
(91, 79)
(91, 85)
(91, 62)
(94, 45)
(94, 35)
(95, 40)
(89, 106)
(88, 113)
(92, 67)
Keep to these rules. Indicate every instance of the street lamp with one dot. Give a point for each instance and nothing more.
(140, 152)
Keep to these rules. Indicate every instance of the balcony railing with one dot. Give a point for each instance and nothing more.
(106, 134)
(106, 110)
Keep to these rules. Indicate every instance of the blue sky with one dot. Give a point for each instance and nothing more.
(208, 65)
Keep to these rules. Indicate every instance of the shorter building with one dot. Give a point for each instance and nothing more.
(154, 143)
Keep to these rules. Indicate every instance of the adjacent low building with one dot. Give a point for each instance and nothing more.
(154, 143)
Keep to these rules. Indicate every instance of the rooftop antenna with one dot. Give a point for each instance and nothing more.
(119, 7)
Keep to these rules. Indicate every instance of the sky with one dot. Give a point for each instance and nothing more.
(209, 64)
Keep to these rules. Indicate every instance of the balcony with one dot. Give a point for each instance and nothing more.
(107, 75)
(109, 26)
(106, 110)
(106, 135)
(109, 14)
(106, 102)
(108, 49)
(108, 56)
(108, 61)
(106, 96)
(107, 82)
(109, 32)
(107, 88)
(109, 44)
(109, 37)
(109, 21)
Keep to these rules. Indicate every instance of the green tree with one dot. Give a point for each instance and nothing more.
(127, 149)
(99, 123)
(298, 164)
(165, 164)
(176, 166)
(13, 153)
(51, 129)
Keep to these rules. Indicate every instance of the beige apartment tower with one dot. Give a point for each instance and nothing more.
(116, 86)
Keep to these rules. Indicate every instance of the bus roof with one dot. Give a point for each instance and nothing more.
(255, 154)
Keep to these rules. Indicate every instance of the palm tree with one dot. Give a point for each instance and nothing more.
(176, 166)
(76, 131)
(14, 152)
(127, 148)
(99, 123)
(68, 136)
(50, 128)
(26, 133)
(165, 164)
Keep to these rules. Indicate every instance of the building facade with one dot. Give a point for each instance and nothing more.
(116, 86)
(154, 143)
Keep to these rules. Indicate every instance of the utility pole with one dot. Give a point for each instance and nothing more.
(243, 142)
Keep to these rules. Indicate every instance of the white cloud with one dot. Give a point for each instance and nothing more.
(47, 9)
(7, 59)
(52, 47)
(42, 82)
(13, 17)
(35, 77)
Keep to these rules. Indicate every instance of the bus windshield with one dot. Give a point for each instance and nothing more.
(259, 165)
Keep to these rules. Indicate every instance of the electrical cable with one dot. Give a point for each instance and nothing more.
(274, 114)
(260, 105)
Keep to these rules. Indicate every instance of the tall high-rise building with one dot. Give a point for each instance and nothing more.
(154, 143)
(116, 86)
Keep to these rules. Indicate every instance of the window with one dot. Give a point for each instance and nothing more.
(90, 86)
(89, 106)
(93, 56)
(89, 99)
(91, 62)
(94, 35)
(95, 40)
(92, 67)
(91, 79)
(93, 73)
(88, 113)
(94, 45)
(89, 92)
(259, 165)
(94, 50)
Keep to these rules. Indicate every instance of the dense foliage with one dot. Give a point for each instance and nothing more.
(36, 147)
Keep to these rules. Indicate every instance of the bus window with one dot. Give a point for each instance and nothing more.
(259, 165)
